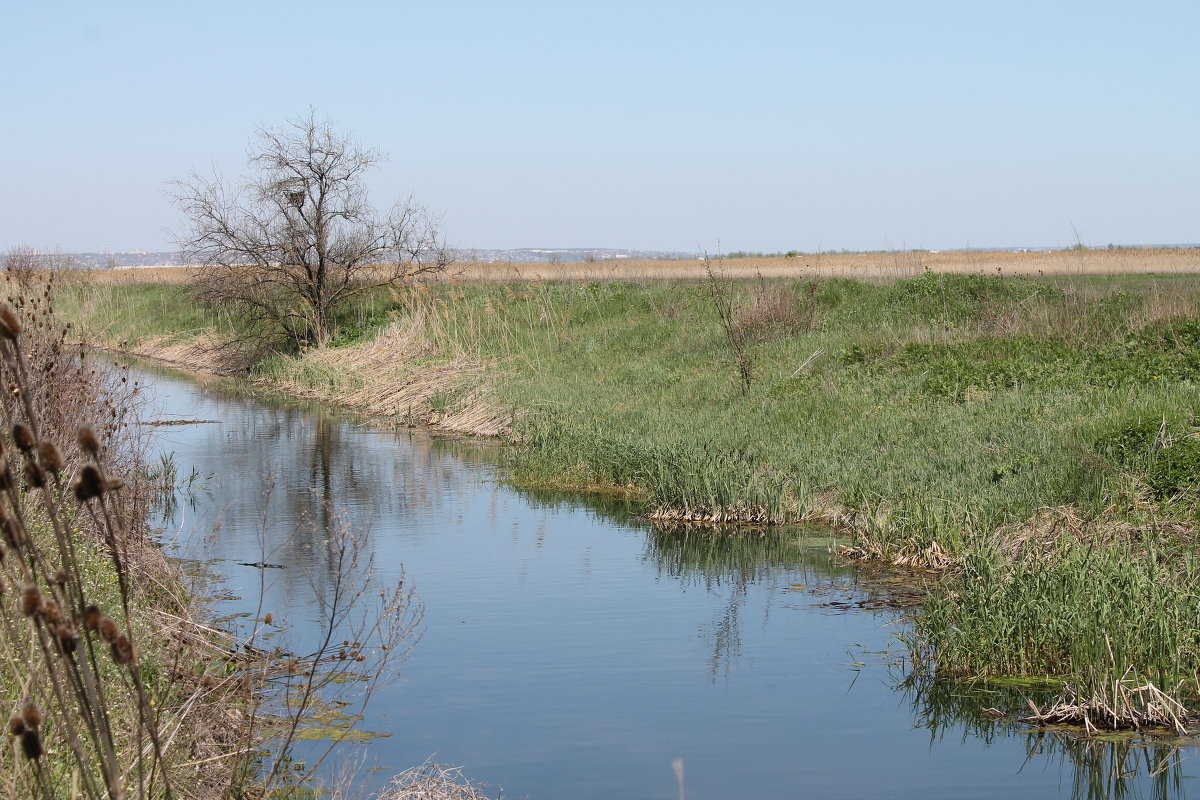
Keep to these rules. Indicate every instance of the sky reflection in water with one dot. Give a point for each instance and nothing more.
(573, 651)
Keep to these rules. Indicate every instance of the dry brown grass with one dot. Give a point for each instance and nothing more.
(897, 264)
(434, 782)
(388, 377)
(1113, 705)
(92, 583)
(134, 275)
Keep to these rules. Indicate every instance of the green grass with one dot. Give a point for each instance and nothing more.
(914, 410)
(136, 313)
(935, 409)
(1125, 606)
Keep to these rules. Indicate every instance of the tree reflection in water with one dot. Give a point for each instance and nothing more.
(728, 560)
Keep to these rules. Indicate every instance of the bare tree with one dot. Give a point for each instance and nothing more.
(290, 245)
(22, 263)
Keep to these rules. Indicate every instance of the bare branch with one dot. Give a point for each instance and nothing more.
(291, 245)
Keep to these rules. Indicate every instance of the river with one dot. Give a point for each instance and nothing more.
(571, 650)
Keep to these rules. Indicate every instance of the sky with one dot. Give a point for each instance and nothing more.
(684, 126)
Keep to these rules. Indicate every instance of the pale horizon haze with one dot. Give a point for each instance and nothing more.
(761, 126)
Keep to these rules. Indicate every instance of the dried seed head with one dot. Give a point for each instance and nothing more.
(108, 630)
(122, 650)
(3, 552)
(16, 726)
(31, 744)
(34, 475)
(68, 637)
(91, 618)
(5, 475)
(31, 600)
(60, 577)
(88, 441)
(32, 715)
(50, 456)
(113, 484)
(51, 611)
(269, 618)
(14, 532)
(89, 484)
(10, 326)
(23, 437)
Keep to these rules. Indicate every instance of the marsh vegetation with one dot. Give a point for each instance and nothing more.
(1028, 438)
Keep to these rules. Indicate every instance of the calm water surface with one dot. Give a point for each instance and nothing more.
(572, 651)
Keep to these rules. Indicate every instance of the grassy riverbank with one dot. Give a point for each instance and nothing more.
(1040, 433)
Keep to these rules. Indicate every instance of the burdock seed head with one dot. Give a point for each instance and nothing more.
(88, 441)
(31, 744)
(23, 437)
(122, 650)
(52, 611)
(89, 484)
(10, 326)
(68, 637)
(31, 600)
(14, 532)
(34, 475)
(50, 456)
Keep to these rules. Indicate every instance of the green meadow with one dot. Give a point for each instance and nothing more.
(1033, 442)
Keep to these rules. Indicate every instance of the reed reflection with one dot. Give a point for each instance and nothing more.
(1120, 767)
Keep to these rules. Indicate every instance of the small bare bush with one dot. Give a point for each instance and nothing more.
(721, 292)
(361, 638)
(776, 311)
(434, 782)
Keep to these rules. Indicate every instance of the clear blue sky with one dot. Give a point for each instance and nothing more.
(655, 125)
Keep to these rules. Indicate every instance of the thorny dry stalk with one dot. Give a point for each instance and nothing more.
(82, 668)
(721, 292)
(359, 643)
(90, 713)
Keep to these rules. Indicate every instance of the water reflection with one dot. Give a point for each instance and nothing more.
(574, 650)
(1128, 765)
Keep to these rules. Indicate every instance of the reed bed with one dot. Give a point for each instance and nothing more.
(887, 264)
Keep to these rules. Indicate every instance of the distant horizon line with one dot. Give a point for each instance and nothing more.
(105, 251)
